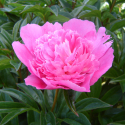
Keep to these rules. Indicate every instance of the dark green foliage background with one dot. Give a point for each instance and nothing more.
(25, 105)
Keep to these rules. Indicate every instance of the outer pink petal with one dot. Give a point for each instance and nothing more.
(30, 33)
(51, 85)
(66, 84)
(105, 64)
(35, 81)
(86, 83)
(100, 51)
(22, 52)
(101, 32)
(82, 27)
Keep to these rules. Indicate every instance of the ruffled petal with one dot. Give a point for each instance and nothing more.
(105, 63)
(22, 53)
(82, 27)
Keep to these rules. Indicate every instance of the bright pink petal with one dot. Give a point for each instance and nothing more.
(51, 85)
(82, 27)
(86, 82)
(30, 33)
(22, 52)
(105, 64)
(100, 51)
(49, 27)
(101, 32)
(35, 81)
(66, 84)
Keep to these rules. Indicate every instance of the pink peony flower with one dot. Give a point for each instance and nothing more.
(72, 56)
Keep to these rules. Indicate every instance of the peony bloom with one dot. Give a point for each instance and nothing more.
(72, 56)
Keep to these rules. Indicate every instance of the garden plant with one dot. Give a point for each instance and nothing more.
(62, 62)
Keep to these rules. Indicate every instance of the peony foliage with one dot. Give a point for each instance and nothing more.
(62, 62)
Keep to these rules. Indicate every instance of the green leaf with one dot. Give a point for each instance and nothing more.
(7, 79)
(66, 14)
(80, 96)
(36, 20)
(7, 26)
(119, 116)
(77, 10)
(91, 2)
(122, 83)
(116, 50)
(97, 4)
(6, 107)
(42, 118)
(49, 98)
(81, 120)
(95, 13)
(70, 99)
(6, 9)
(5, 42)
(113, 95)
(94, 92)
(118, 79)
(7, 35)
(118, 2)
(107, 15)
(71, 122)
(5, 63)
(23, 23)
(35, 123)
(19, 9)
(117, 24)
(111, 73)
(117, 123)
(5, 97)
(5, 52)
(20, 96)
(35, 8)
(65, 4)
(15, 4)
(34, 93)
(50, 118)
(58, 18)
(55, 9)
(15, 64)
(90, 7)
(9, 104)
(89, 104)
(104, 120)
(32, 117)
(13, 114)
(61, 107)
(16, 29)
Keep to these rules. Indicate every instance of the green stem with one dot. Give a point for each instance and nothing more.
(55, 99)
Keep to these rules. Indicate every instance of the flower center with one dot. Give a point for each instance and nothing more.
(62, 55)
